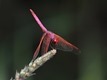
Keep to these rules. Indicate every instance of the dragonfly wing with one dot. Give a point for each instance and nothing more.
(38, 48)
(45, 44)
(64, 45)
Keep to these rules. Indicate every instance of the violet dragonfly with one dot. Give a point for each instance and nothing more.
(51, 39)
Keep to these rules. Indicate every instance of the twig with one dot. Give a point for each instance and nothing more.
(33, 65)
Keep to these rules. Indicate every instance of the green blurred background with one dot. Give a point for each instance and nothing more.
(81, 22)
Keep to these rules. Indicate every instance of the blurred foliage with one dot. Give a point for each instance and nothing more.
(81, 22)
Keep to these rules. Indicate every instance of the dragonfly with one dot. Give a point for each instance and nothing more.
(50, 39)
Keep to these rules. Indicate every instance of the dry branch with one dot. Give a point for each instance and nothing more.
(28, 70)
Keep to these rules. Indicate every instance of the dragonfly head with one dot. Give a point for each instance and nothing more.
(55, 41)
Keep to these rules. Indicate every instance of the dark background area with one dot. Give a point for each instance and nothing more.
(81, 22)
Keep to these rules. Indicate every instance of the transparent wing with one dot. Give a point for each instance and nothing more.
(45, 44)
(64, 45)
(38, 48)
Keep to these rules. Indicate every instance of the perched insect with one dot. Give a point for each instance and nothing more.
(51, 39)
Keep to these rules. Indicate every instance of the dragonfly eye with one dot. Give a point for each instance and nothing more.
(55, 41)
